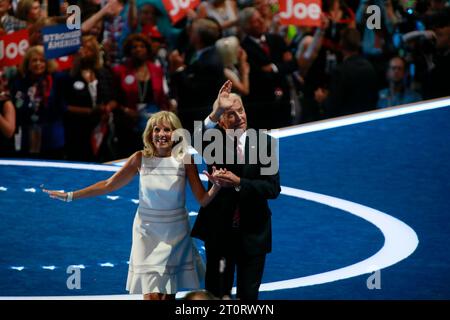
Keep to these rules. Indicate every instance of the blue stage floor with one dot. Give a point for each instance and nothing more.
(393, 171)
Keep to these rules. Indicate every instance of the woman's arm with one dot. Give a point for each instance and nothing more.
(231, 22)
(308, 55)
(112, 8)
(117, 181)
(241, 86)
(8, 120)
(203, 197)
(132, 15)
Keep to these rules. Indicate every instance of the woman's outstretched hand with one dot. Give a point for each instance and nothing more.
(63, 196)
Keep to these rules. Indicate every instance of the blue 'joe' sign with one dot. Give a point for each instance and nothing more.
(60, 41)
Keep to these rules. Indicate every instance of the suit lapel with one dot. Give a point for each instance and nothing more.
(258, 51)
(251, 147)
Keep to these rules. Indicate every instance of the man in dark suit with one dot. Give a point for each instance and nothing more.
(268, 102)
(236, 225)
(353, 84)
(195, 81)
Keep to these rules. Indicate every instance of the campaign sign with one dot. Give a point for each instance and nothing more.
(64, 63)
(177, 9)
(60, 41)
(13, 47)
(304, 13)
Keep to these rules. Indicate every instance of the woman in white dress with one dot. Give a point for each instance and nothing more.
(163, 256)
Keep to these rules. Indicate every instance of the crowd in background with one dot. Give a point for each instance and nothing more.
(134, 62)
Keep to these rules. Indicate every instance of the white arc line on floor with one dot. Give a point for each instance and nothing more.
(400, 241)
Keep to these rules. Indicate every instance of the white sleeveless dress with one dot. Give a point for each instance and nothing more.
(163, 256)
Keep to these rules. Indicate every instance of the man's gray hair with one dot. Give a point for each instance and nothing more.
(232, 95)
(245, 16)
(208, 30)
(237, 97)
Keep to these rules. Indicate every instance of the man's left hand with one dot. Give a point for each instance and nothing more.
(228, 179)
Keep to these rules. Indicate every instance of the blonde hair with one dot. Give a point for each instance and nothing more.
(95, 47)
(175, 123)
(25, 66)
(228, 49)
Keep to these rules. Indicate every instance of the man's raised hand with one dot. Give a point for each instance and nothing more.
(225, 101)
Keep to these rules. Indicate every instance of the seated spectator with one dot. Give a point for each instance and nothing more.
(397, 93)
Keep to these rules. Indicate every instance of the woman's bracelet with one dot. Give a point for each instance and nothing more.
(69, 196)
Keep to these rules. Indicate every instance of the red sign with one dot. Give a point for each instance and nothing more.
(305, 13)
(64, 63)
(13, 47)
(177, 9)
(152, 32)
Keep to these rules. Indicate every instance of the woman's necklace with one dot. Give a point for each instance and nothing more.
(142, 73)
(143, 77)
(142, 90)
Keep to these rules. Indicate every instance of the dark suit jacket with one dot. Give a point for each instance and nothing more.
(214, 222)
(437, 85)
(257, 58)
(353, 88)
(197, 85)
(265, 108)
